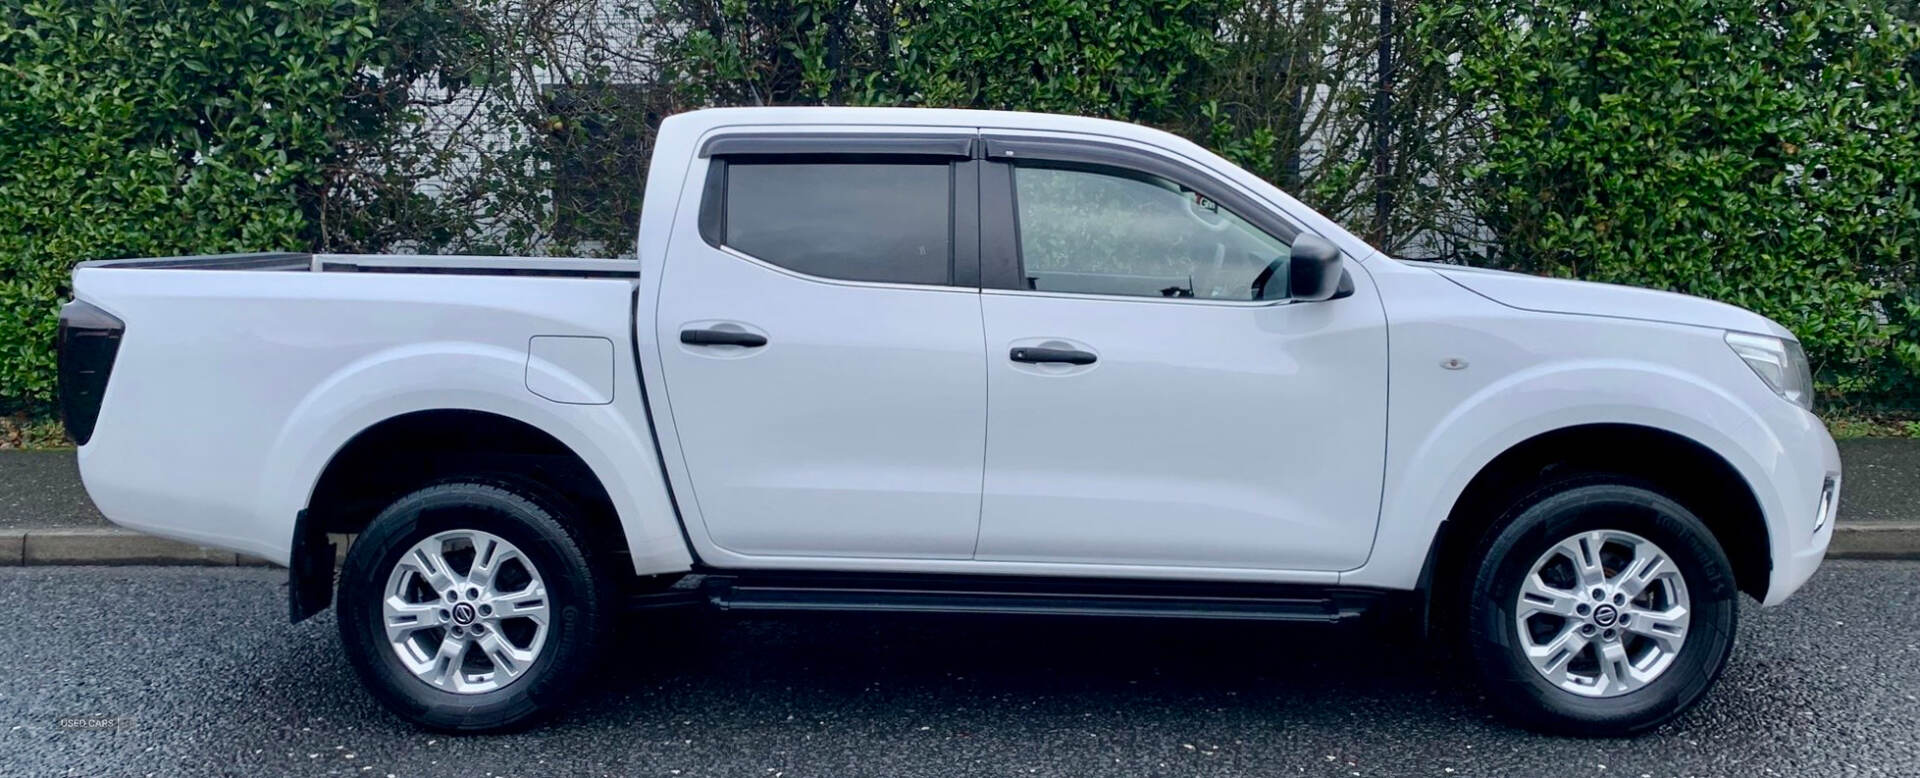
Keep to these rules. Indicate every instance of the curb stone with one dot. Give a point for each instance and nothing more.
(41, 547)
(71, 546)
(1892, 540)
(89, 546)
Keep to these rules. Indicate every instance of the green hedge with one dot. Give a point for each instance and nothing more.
(132, 128)
(1760, 153)
(1764, 154)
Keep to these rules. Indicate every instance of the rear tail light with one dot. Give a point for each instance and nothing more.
(88, 341)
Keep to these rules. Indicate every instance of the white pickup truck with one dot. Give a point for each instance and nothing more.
(956, 361)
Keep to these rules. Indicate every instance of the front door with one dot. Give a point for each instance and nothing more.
(824, 368)
(1146, 409)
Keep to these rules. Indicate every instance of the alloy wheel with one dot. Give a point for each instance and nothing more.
(465, 611)
(1602, 613)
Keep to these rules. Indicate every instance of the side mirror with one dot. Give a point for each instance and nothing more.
(1313, 269)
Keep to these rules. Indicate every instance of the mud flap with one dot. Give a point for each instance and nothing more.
(309, 571)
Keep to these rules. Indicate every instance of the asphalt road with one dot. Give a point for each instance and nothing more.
(42, 489)
(1880, 476)
(138, 671)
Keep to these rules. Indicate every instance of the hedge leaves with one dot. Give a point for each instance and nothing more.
(132, 128)
(1763, 154)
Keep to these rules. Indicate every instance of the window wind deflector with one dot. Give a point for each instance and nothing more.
(1120, 159)
(756, 144)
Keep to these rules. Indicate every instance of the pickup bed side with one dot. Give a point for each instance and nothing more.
(234, 385)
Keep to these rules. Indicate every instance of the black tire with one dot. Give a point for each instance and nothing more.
(1561, 511)
(580, 602)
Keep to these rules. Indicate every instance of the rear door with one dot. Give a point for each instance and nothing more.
(822, 347)
(1148, 407)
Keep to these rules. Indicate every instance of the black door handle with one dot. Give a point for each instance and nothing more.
(722, 338)
(1041, 356)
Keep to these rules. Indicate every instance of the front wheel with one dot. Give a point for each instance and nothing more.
(1600, 608)
(471, 606)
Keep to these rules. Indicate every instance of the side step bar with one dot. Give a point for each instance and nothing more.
(992, 595)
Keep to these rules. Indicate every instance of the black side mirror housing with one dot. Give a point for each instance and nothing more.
(1313, 269)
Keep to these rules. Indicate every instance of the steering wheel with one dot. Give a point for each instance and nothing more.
(1266, 276)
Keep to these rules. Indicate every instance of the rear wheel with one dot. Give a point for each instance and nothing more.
(470, 606)
(1600, 607)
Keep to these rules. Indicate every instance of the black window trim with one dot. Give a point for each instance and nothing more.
(1002, 267)
(950, 145)
(963, 189)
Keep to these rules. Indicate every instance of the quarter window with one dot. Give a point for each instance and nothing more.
(1106, 231)
(856, 221)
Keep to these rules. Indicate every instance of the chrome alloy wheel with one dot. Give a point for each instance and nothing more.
(1602, 613)
(465, 611)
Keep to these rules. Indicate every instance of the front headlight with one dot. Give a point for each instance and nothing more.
(1779, 362)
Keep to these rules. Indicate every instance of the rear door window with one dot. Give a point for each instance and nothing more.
(856, 221)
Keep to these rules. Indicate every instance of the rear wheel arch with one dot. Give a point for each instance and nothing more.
(1677, 466)
(403, 453)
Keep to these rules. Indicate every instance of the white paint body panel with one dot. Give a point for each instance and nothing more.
(883, 428)
(1207, 435)
(1560, 295)
(571, 369)
(1530, 373)
(856, 431)
(233, 389)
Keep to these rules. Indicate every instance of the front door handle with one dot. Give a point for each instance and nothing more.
(1040, 356)
(722, 338)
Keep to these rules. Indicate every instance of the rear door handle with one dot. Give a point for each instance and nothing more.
(722, 338)
(1040, 356)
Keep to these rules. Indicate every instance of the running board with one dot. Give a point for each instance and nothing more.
(1049, 597)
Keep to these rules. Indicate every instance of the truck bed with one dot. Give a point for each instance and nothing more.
(222, 392)
(573, 267)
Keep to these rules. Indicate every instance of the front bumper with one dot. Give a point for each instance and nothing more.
(1807, 505)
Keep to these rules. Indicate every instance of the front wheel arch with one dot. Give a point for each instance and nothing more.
(1679, 467)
